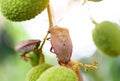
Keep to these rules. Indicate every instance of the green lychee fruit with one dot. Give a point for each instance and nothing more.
(58, 73)
(106, 36)
(36, 71)
(21, 10)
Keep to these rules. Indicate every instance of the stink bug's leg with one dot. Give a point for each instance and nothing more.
(51, 50)
(23, 56)
(59, 62)
(26, 56)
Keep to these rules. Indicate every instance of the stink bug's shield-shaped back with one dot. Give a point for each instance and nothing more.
(61, 43)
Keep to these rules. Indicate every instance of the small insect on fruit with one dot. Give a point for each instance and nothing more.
(27, 46)
(61, 43)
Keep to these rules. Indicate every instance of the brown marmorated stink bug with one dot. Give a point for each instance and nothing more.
(61, 43)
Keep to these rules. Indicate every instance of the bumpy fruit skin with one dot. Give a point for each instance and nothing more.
(21, 10)
(106, 36)
(36, 71)
(58, 73)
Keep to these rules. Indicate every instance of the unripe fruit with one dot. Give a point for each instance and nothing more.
(21, 10)
(106, 36)
(36, 71)
(58, 73)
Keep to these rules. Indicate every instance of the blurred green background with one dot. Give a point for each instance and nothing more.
(12, 67)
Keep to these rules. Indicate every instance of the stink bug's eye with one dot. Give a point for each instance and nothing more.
(61, 43)
(27, 46)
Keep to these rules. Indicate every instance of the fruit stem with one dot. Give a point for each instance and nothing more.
(49, 16)
(41, 56)
(93, 21)
(79, 75)
(74, 65)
